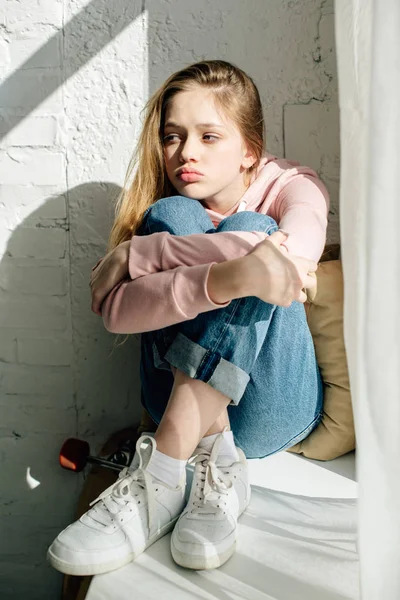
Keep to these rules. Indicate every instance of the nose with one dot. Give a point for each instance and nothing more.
(189, 150)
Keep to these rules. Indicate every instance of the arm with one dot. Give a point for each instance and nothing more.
(163, 291)
(168, 284)
(163, 251)
(158, 300)
(181, 293)
(301, 208)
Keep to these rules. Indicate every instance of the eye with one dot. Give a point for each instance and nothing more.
(167, 138)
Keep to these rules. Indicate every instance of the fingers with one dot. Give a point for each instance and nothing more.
(96, 311)
(307, 266)
(302, 297)
(277, 238)
(96, 307)
(310, 281)
(97, 264)
(312, 266)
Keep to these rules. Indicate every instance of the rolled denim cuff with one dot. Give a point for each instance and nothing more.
(207, 366)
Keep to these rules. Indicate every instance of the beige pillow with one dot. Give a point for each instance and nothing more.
(334, 435)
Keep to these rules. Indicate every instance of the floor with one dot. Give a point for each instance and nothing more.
(296, 541)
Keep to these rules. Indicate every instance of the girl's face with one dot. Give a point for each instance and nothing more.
(198, 137)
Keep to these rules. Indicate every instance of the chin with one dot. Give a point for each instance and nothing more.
(194, 195)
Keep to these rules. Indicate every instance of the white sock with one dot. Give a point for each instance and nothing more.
(167, 469)
(227, 453)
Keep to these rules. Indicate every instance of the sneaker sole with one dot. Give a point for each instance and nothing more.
(98, 569)
(200, 563)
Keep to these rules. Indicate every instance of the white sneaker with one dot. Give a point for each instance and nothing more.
(127, 518)
(204, 536)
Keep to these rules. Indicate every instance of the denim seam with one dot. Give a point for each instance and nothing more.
(289, 443)
(210, 352)
(230, 372)
(315, 420)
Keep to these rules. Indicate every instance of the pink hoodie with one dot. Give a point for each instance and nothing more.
(168, 273)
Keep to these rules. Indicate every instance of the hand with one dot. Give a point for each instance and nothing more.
(109, 271)
(277, 276)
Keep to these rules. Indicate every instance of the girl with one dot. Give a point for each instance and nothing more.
(197, 265)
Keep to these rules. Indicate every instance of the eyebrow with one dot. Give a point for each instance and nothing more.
(173, 124)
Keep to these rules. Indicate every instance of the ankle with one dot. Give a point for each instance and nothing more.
(175, 446)
(167, 469)
(219, 425)
(227, 452)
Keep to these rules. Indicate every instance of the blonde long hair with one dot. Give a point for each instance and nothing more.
(234, 93)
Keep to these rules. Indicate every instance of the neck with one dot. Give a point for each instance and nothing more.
(225, 200)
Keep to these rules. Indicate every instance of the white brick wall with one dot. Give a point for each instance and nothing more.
(74, 77)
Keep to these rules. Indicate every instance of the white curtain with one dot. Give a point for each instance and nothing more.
(368, 53)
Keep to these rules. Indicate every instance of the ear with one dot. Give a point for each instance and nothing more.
(248, 159)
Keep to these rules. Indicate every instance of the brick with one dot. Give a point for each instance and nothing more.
(22, 379)
(25, 90)
(31, 166)
(64, 399)
(43, 334)
(37, 311)
(25, 16)
(32, 131)
(34, 420)
(33, 202)
(35, 52)
(44, 352)
(53, 207)
(38, 242)
(33, 279)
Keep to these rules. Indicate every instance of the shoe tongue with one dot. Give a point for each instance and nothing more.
(146, 455)
(146, 452)
(225, 461)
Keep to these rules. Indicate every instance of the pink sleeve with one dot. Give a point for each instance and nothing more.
(162, 293)
(301, 209)
(163, 251)
(158, 300)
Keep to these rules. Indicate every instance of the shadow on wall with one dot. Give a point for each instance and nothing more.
(51, 343)
(45, 296)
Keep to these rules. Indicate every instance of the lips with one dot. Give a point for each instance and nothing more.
(188, 170)
(190, 177)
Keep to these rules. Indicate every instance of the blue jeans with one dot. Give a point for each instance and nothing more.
(259, 355)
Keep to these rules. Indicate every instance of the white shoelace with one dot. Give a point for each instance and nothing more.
(212, 482)
(129, 485)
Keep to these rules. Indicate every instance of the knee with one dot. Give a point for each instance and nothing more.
(248, 221)
(176, 214)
